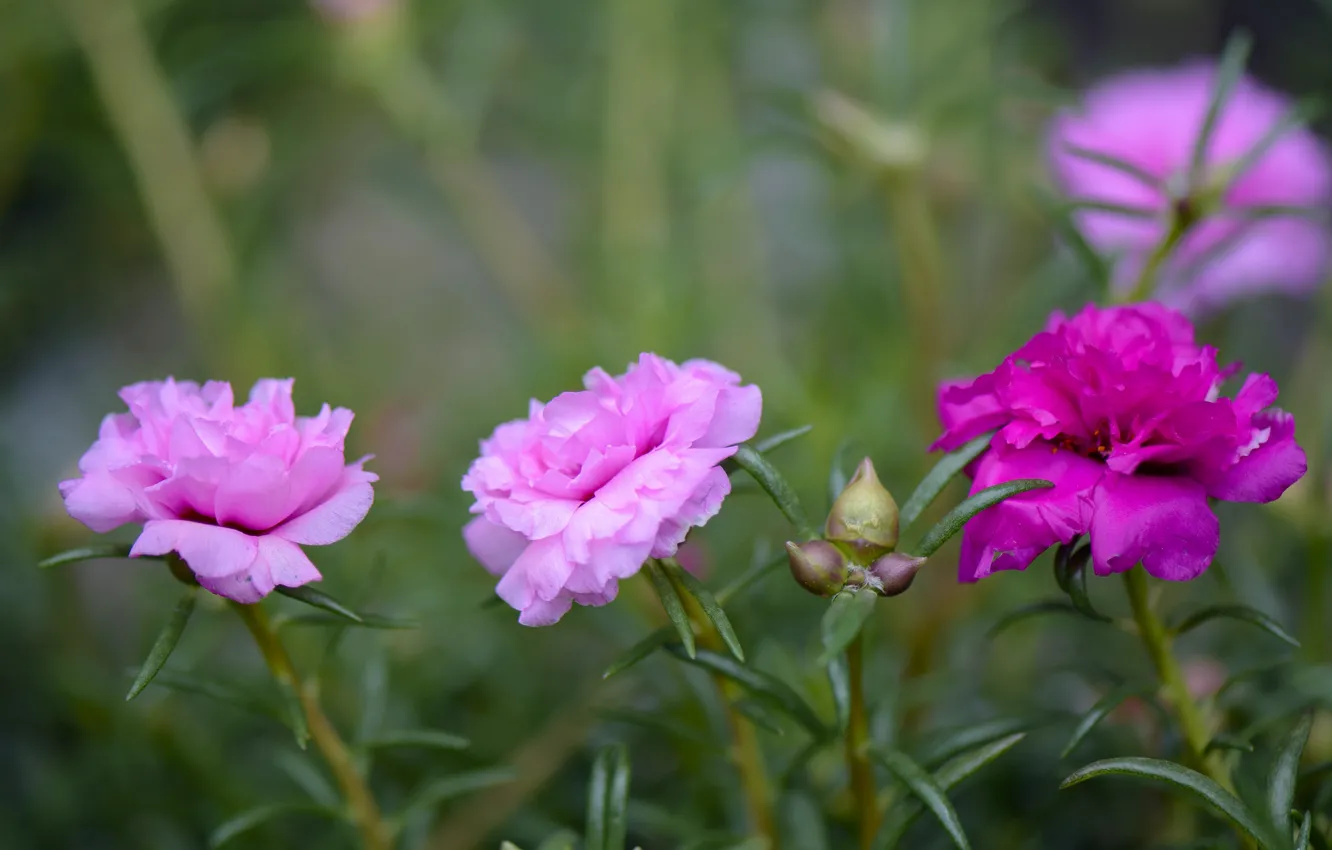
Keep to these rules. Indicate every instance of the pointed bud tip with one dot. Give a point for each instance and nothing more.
(817, 566)
(864, 516)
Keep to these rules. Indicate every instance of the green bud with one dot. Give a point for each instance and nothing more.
(864, 516)
(893, 573)
(817, 566)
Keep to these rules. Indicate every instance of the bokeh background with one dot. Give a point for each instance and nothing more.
(431, 211)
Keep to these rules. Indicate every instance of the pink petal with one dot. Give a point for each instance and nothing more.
(495, 546)
(1162, 522)
(735, 417)
(545, 613)
(968, 409)
(335, 518)
(246, 587)
(538, 574)
(210, 551)
(285, 563)
(1265, 473)
(100, 502)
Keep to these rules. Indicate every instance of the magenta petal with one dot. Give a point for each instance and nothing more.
(968, 409)
(209, 550)
(1265, 473)
(1163, 522)
(1013, 533)
(334, 518)
(495, 546)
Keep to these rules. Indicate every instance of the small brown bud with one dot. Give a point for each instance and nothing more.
(817, 566)
(893, 573)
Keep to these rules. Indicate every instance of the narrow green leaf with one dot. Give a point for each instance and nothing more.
(509, 845)
(658, 723)
(367, 621)
(1219, 799)
(191, 684)
(843, 620)
(86, 553)
(165, 643)
(318, 599)
(951, 743)
(905, 812)
(1243, 613)
(437, 791)
(1261, 212)
(294, 713)
(1295, 118)
(559, 841)
(934, 483)
(927, 789)
(598, 790)
(758, 714)
(671, 604)
(423, 738)
(777, 440)
(1099, 712)
(768, 688)
(1231, 67)
(1026, 612)
(307, 776)
(1285, 770)
(802, 822)
(837, 475)
(776, 486)
(750, 577)
(956, 518)
(839, 681)
(1223, 741)
(636, 653)
(1306, 827)
(685, 582)
(1123, 166)
(1062, 555)
(617, 799)
(1124, 210)
(1096, 266)
(260, 815)
(1073, 579)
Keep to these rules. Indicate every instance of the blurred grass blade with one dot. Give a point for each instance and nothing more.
(318, 599)
(1244, 614)
(843, 620)
(760, 716)
(671, 604)
(934, 483)
(778, 440)
(837, 476)
(1124, 210)
(598, 796)
(431, 794)
(954, 742)
(617, 799)
(1026, 612)
(307, 776)
(1123, 166)
(839, 682)
(260, 815)
(1229, 70)
(685, 582)
(636, 653)
(1283, 774)
(367, 621)
(770, 689)
(1217, 798)
(424, 738)
(1099, 712)
(905, 812)
(956, 518)
(1096, 266)
(190, 684)
(750, 577)
(1296, 118)
(776, 486)
(1222, 741)
(86, 553)
(927, 789)
(802, 822)
(165, 643)
(1071, 575)
(559, 841)
(1306, 826)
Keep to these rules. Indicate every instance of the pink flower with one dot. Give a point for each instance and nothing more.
(235, 491)
(1152, 120)
(589, 486)
(1121, 409)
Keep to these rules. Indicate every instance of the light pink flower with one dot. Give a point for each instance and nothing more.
(589, 486)
(1152, 120)
(235, 491)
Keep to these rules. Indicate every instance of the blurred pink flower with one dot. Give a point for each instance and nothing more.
(1122, 410)
(351, 10)
(593, 483)
(1152, 119)
(235, 491)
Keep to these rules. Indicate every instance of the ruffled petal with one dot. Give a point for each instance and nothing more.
(335, 518)
(1163, 522)
(1265, 472)
(209, 550)
(495, 546)
(285, 562)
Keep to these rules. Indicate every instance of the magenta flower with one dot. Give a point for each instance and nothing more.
(589, 486)
(235, 491)
(1121, 409)
(1152, 120)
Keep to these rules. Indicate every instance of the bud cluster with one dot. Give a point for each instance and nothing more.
(857, 545)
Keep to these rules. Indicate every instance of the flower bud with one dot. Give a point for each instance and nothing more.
(818, 566)
(864, 516)
(893, 573)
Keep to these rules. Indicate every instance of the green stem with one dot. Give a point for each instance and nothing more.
(1147, 278)
(360, 802)
(857, 747)
(1157, 641)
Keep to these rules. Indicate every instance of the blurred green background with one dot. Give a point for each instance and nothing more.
(432, 211)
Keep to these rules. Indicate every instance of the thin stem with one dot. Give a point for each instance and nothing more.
(746, 752)
(360, 802)
(1157, 641)
(857, 747)
(1147, 278)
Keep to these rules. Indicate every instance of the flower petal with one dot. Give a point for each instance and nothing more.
(1163, 522)
(335, 518)
(1265, 473)
(495, 546)
(209, 550)
(285, 562)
